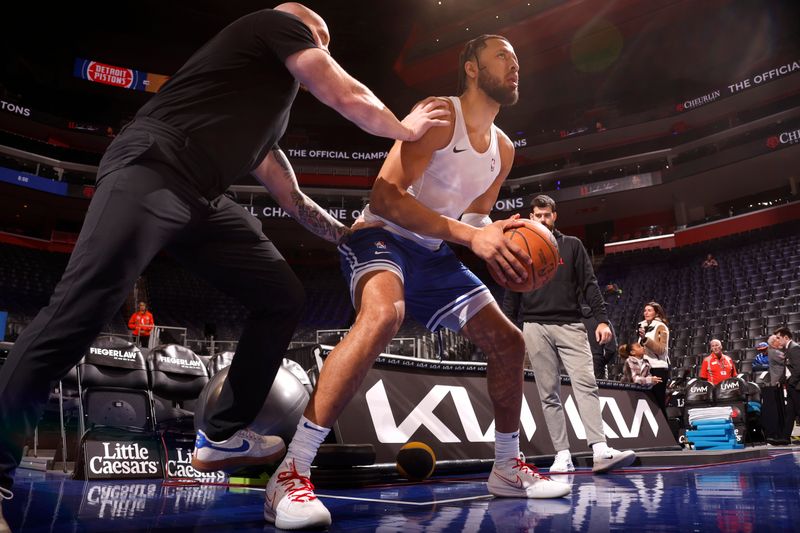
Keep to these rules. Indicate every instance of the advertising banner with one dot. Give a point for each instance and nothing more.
(124, 457)
(446, 405)
(23, 179)
(735, 87)
(122, 77)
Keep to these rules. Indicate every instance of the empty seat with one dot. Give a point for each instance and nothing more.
(738, 344)
(220, 361)
(775, 321)
(178, 376)
(113, 386)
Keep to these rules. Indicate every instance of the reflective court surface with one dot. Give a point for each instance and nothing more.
(753, 495)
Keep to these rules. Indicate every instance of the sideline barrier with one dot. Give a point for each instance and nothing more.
(446, 405)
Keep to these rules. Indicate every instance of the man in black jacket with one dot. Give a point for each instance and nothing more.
(791, 349)
(553, 330)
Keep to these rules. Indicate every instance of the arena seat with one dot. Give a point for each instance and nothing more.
(113, 386)
(735, 392)
(177, 375)
(219, 361)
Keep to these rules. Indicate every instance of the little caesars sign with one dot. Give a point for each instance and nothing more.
(123, 460)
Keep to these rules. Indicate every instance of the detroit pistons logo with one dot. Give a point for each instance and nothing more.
(380, 245)
(110, 75)
(491, 167)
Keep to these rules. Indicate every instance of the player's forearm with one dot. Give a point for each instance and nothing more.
(403, 209)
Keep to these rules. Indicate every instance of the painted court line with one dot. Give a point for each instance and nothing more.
(401, 502)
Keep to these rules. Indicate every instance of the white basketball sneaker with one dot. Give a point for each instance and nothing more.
(611, 459)
(562, 463)
(290, 501)
(517, 479)
(243, 448)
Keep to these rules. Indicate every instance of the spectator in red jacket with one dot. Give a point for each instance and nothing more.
(141, 323)
(717, 367)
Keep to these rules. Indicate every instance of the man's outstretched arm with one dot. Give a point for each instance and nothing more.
(276, 174)
(316, 70)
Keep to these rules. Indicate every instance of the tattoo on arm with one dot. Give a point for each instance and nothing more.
(307, 212)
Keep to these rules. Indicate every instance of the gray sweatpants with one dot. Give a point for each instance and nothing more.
(545, 344)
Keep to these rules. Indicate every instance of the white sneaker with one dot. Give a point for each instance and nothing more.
(291, 502)
(5, 494)
(562, 463)
(611, 459)
(244, 448)
(517, 479)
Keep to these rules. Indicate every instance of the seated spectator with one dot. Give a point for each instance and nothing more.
(637, 366)
(710, 262)
(612, 290)
(141, 324)
(761, 361)
(717, 367)
(598, 126)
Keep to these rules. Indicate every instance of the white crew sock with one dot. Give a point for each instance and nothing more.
(599, 448)
(563, 454)
(506, 446)
(305, 443)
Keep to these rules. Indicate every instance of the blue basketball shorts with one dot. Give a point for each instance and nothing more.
(439, 290)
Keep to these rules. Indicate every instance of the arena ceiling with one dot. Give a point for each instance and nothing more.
(608, 57)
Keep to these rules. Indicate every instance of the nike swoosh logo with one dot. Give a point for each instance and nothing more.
(241, 448)
(379, 253)
(457, 151)
(305, 424)
(517, 483)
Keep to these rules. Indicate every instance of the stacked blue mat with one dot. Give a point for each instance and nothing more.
(715, 434)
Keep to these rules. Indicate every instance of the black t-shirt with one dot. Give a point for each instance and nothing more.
(216, 119)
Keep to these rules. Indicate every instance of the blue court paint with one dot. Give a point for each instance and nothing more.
(751, 496)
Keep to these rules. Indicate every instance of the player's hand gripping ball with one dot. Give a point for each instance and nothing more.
(540, 245)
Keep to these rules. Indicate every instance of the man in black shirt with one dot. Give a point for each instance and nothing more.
(553, 331)
(160, 185)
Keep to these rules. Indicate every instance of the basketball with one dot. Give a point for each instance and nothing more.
(540, 245)
(416, 461)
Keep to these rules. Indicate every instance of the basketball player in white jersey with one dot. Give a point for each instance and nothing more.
(423, 188)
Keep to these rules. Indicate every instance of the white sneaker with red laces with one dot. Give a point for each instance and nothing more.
(517, 479)
(291, 502)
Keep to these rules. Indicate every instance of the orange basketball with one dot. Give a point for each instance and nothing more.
(536, 240)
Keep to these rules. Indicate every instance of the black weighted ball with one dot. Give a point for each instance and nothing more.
(416, 461)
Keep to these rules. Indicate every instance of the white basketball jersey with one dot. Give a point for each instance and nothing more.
(455, 176)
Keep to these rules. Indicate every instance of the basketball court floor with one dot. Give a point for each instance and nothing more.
(755, 493)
